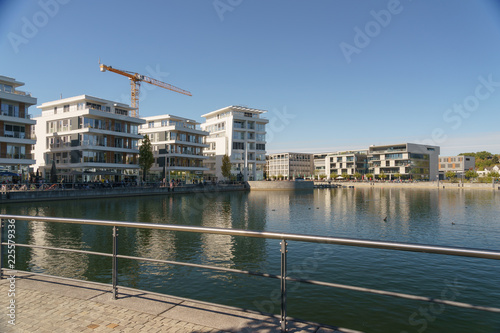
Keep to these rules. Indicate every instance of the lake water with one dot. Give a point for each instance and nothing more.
(439, 217)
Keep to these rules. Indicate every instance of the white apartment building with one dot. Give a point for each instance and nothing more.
(89, 138)
(290, 165)
(16, 124)
(239, 132)
(346, 163)
(458, 164)
(178, 145)
(406, 160)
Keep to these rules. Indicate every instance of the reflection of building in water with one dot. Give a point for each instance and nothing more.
(277, 202)
(66, 264)
(233, 211)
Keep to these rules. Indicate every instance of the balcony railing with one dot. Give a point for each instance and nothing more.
(17, 156)
(15, 114)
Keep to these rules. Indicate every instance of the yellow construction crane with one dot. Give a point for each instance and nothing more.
(135, 84)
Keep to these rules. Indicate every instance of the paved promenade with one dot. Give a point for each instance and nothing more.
(47, 305)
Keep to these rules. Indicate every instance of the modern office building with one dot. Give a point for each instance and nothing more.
(88, 138)
(458, 164)
(16, 138)
(240, 133)
(405, 161)
(348, 163)
(290, 165)
(319, 162)
(178, 145)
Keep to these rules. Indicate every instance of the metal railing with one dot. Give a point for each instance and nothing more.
(283, 237)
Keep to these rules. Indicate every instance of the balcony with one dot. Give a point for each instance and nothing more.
(15, 114)
(18, 156)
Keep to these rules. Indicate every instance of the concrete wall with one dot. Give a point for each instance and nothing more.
(30, 196)
(280, 185)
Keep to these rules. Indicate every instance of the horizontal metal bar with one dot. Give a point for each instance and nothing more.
(395, 294)
(61, 249)
(216, 268)
(455, 251)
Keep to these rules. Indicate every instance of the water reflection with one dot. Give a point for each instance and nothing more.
(450, 217)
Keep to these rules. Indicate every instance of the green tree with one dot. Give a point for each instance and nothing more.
(450, 175)
(357, 175)
(382, 176)
(369, 175)
(345, 175)
(483, 155)
(397, 175)
(333, 175)
(494, 174)
(470, 174)
(225, 168)
(146, 158)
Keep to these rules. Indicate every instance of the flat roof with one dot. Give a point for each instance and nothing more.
(11, 80)
(289, 153)
(235, 108)
(87, 98)
(169, 116)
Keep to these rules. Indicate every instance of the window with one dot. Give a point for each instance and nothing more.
(120, 111)
(66, 108)
(260, 146)
(238, 135)
(10, 110)
(151, 124)
(261, 137)
(393, 156)
(261, 127)
(239, 124)
(118, 142)
(239, 145)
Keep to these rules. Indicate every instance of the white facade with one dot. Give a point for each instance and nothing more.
(16, 138)
(290, 165)
(407, 160)
(89, 138)
(346, 163)
(179, 142)
(319, 161)
(458, 164)
(239, 132)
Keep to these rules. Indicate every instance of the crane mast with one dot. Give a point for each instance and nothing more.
(135, 85)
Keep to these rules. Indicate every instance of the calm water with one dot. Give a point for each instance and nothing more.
(416, 216)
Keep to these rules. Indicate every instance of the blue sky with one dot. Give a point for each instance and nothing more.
(333, 75)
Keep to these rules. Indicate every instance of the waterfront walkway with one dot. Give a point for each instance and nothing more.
(47, 305)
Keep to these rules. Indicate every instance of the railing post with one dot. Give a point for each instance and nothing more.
(1, 248)
(115, 266)
(283, 285)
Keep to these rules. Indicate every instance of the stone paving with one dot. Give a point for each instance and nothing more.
(47, 305)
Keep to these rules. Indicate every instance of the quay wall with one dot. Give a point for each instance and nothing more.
(263, 185)
(426, 185)
(71, 194)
